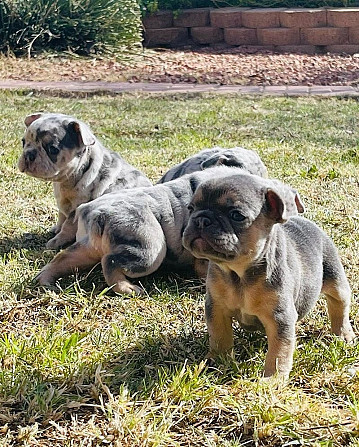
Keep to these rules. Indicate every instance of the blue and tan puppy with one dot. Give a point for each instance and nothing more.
(267, 265)
(238, 157)
(133, 232)
(63, 150)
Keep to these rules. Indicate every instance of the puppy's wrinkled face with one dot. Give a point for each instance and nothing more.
(232, 216)
(221, 212)
(52, 145)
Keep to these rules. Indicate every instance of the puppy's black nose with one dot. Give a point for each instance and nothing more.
(30, 155)
(202, 221)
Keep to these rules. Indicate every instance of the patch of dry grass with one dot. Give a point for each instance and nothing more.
(82, 366)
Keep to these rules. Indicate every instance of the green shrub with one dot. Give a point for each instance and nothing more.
(79, 26)
(149, 6)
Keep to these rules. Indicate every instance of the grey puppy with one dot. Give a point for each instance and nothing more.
(133, 232)
(235, 156)
(63, 150)
(267, 265)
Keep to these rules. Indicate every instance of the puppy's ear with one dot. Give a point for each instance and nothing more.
(211, 161)
(226, 160)
(84, 135)
(31, 118)
(298, 201)
(284, 204)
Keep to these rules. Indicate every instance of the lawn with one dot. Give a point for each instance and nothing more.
(82, 366)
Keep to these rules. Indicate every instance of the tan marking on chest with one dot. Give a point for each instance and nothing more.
(67, 199)
(239, 299)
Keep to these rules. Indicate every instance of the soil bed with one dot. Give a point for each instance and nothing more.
(239, 66)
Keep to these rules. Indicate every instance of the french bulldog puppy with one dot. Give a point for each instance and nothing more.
(133, 232)
(267, 266)
(63, 150)
(235, 156)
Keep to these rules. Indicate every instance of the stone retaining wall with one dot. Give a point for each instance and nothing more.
(280, 29)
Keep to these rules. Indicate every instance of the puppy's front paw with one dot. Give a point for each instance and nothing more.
(58, 242)
(53, 244)
(44, 278)
(277, 381)
(348, 335)
(221, 361)
(210, 361)
(55, 229)
(210, 356)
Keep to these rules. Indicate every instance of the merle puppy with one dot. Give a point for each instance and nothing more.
(63, 150)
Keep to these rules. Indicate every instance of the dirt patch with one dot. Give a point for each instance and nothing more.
(239, 66)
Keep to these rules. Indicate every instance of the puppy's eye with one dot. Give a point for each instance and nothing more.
(53, 150)
(236, 216)
(23, 142)
(190, 208)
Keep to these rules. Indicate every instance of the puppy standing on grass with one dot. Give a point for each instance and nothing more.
(267, 266)
(62, 149)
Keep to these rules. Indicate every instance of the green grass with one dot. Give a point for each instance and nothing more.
(81, 366)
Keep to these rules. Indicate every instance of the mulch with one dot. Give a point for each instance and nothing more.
(234, 66)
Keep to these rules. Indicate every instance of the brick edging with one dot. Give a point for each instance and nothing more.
(307, 30)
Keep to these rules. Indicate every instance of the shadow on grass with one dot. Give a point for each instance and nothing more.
(139, 368)
(34, 248)
(29, 241)
(171, 280)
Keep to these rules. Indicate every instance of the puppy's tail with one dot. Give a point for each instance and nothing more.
(98, 225)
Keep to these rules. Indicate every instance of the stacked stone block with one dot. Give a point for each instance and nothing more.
(296, 29)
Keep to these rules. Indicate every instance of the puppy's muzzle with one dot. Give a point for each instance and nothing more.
(30, 156)
(202, 220)
(26, 159)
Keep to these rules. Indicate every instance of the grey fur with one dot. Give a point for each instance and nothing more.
(63, 149)
(248, 227)
(236, 157)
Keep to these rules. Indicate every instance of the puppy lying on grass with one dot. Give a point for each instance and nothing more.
(62, 149)
(133, 232)
(216, 156)
(267, 265)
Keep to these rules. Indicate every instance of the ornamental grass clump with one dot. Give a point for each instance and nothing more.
(82, 27)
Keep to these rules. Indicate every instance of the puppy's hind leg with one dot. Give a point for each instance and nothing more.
(134, 260)
(115, 277)
(338, 294)
(337, 291)
(78, 256)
